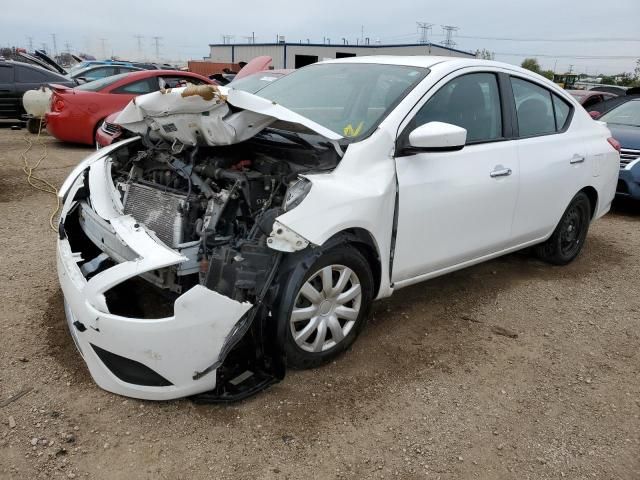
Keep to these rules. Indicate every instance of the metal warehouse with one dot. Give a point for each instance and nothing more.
(296, 55)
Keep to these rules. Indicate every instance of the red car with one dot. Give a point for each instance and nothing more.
(76, 113)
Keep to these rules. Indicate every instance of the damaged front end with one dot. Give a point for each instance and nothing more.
(169, 249)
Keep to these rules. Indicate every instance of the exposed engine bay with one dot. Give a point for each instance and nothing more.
(216, 205)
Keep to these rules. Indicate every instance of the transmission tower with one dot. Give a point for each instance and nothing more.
(156, 42)
(104, 48)
(424, 28)
(67, 46)
(449, 30)
(55, 45)
(227, 38)
(30, 43)
(139, 40)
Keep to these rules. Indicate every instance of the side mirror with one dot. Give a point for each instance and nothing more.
(595, 115)
(437, 137)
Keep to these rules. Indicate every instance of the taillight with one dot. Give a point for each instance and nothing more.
(57, 105)
(614, 143)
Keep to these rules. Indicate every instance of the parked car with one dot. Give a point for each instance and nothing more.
(16, 78)
(619, 91)
(76, 113)
(96, 72)
(269, 222)
(111, 132)
(588, 98)
(624, 123)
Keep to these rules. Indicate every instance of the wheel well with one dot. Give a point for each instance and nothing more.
(592, 194)
(366, 245)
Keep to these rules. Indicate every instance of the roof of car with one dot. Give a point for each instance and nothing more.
(427, 61)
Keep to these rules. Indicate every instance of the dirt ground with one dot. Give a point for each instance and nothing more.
(432, 389)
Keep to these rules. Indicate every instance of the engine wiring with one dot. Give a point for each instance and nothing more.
(37, 182)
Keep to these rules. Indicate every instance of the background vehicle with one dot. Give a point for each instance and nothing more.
(96, 72)
(110, 131)
(278, 217)
(76, 113)
(624, 123)
(16, 78)
(588, 98)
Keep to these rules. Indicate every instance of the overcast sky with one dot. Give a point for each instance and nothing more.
(602, 33)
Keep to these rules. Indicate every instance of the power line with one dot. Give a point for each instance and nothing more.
(576, 57)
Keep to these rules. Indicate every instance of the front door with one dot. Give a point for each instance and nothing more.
(456, 206)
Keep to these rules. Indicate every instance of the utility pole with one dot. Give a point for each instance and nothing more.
(55, 45)
(424, 28)
(571, 68)
(139, 40)
(227, 38)
(449, 31)
(156, 42)
(30, 43)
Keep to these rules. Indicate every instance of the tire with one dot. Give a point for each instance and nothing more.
(308, 303)
(33, 125)
(567, 239)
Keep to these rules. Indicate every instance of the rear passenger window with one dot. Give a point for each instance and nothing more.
(31, 75)
(562, 112)
(534, 108)
(147, 85)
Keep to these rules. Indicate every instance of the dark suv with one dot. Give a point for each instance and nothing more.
(18, 77)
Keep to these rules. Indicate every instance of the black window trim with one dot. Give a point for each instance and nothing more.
(567, 122)
(507, 107)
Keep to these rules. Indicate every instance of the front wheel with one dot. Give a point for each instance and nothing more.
(325, 306)
(567, 240)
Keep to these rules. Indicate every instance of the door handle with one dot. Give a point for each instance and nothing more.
(576, 159)
(500, 172)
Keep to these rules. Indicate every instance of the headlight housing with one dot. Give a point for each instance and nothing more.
(296, 193)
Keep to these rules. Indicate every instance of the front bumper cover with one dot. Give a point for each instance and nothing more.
(155, 359)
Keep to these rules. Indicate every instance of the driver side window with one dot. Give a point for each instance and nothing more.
(470, 101)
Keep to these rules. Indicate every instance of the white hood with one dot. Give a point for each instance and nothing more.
(197, 120)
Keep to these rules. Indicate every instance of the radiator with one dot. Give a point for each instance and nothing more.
(157, 210)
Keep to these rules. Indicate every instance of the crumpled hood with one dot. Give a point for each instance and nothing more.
(198, 120)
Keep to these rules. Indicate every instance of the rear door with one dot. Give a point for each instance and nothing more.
(553, 158)
(8, 96)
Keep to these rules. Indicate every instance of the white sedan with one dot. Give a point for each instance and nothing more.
(238, 234)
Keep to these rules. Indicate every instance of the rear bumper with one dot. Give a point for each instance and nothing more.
(69, 128)
(155, 359)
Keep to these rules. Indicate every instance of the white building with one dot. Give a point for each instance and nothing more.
(296, 55)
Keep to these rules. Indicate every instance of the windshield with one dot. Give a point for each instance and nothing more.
(101, 83)
(255, 82)
(626, 114)
(350, 99)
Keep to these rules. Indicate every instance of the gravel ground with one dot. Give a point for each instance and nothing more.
(436, 387)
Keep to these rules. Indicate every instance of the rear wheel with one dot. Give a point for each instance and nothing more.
(568, 238)
(324, 307)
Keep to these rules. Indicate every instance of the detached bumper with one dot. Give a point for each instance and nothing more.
(154, 359)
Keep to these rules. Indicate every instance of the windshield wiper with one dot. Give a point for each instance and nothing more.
(291, 136)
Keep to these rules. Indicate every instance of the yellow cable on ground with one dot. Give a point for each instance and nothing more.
(37, 182)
